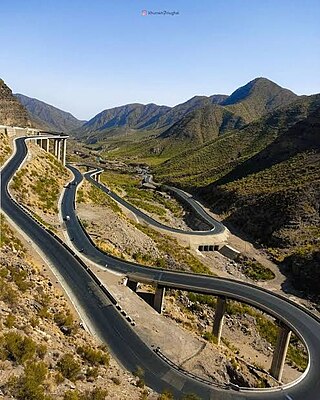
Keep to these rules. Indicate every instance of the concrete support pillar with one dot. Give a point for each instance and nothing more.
(280, 351)
(38, 141)
(159, 298)
(64, 151)
(55, 147)
(132, 285)
(59, 150)
(218, 318)
(46, 145)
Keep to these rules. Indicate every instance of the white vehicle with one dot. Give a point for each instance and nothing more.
(67, 218)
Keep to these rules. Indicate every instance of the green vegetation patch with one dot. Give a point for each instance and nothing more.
(256, 271)
(202, 299)
(93, 356)
(8, 238)
(98, 197)
(94, 394)
(151, 201)
(30, 385)
(47, 189)
(149, 207)
(66, 322)
(17, 348)
(209, 336)
(69, 367)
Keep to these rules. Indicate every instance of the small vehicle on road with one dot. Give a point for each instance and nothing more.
(67, 218)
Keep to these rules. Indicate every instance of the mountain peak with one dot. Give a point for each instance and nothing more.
(261, 88)
(258, 97)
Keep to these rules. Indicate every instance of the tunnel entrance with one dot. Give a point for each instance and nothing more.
(208, 247)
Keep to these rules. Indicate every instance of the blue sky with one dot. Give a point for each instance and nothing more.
(84, 56)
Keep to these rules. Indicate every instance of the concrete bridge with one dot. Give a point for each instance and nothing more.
(59, 139)
(58, 148)
(284, 332)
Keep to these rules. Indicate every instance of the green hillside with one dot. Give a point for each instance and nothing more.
(209, 122)
(125, 118)
(212, 161)
(257, 98)
(264, 179)
(276, 200)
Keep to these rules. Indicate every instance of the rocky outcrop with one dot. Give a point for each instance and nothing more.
(11, 111)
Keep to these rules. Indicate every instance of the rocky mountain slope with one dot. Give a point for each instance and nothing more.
(45, 354)
(264, 179)
(49, 117)
(275, 197)
(11, 111)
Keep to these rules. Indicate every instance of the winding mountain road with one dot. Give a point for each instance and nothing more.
(216, 227)
(121, 338)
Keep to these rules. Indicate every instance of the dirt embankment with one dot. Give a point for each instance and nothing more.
(122, 237)
(38, 185)
(248, 339)
(5, 147)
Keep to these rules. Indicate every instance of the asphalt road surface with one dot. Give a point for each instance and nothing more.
(119, 335)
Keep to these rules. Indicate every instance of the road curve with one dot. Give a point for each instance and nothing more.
(125, 345)
(305, 325)
(216, 227)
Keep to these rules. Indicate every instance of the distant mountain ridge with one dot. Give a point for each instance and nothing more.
(179, 111)
(203, 124)
(206, 122)
(246, 104)
(134, 116)
(142, 116)
(46, 116)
